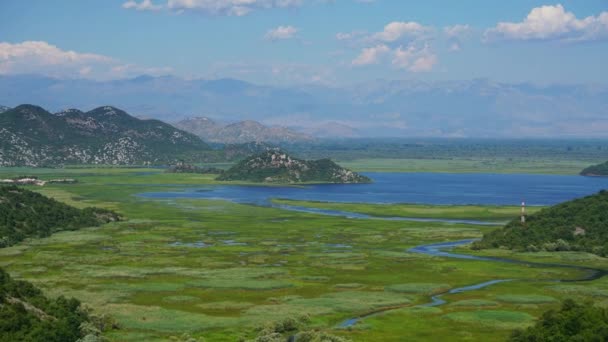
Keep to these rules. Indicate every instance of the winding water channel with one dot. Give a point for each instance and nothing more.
(442, 249)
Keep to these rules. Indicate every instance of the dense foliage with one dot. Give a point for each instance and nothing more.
(596, 170)
(25, 213)
(581, 224)
(574, 322)
(278, 167)
(27, 315)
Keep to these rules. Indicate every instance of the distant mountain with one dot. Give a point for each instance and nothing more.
(578, 225)
(275, 166)
(596, 170)
(239, 132)
(382, 108)
(31, 136)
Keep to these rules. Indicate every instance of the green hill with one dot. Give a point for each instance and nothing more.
(596, 170)
(580, 224)
(31, 136)
(275, 166)
(573, 322)
(25, 213)
(27, 315)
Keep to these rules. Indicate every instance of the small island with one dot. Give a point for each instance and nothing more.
(600, 170)
(276, 166)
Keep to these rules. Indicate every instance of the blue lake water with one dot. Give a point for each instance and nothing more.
(423, 188)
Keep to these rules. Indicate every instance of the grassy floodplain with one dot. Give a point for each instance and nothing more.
(537, 165)
(456, 212)
(219, 270)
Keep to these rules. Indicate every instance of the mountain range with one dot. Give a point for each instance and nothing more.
(32, 136)
(240, 132)
(402, 108)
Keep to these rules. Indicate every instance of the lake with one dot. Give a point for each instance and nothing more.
(422, 188)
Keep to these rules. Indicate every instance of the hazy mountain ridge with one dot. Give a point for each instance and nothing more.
(239, 132)
(476, 108)
(31, 136)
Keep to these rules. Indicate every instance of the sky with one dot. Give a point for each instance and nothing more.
(287, 42)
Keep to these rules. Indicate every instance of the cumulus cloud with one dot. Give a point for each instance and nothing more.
(551, 23)
(397, 30)
(39, 57)
(405, 45)
(213, 7)
(281, 33)
(371, 55)
(414, 59)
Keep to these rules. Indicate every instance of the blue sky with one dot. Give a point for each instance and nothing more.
(308, 41)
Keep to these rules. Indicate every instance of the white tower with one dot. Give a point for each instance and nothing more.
(523, 212)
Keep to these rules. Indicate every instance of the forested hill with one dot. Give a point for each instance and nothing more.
(25, 213)
(580, 224)
(27, 315)
(596, 170)
(275, 166)
(31, 136)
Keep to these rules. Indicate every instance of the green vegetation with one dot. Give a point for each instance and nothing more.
(25, 213)
(457, 212)
(213, 270)
(569, 165)
(27, 315)
(596, 170)
(578, 225)
(275, 166)
(573, 322)
(182, 167)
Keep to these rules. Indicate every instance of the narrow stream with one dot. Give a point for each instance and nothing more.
(439, 249)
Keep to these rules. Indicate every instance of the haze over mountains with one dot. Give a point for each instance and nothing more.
(477, 108)
(239, 132)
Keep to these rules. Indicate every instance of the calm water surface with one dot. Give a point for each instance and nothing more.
(423, 188)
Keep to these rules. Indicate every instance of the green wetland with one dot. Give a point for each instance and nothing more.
(218, 270)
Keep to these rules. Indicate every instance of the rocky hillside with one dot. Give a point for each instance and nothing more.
(31, 136)
(3, 109)
(275, 166)
(580, 225)
(596, 170)
(240, 132)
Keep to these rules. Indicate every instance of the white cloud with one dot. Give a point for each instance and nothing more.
(455, 35)
(39, 57)
(551, 23)
(144, 5)
(396, 30)
(371, 55)
(457, 31)
(281, 33)
(229, 7)
(414, 59)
